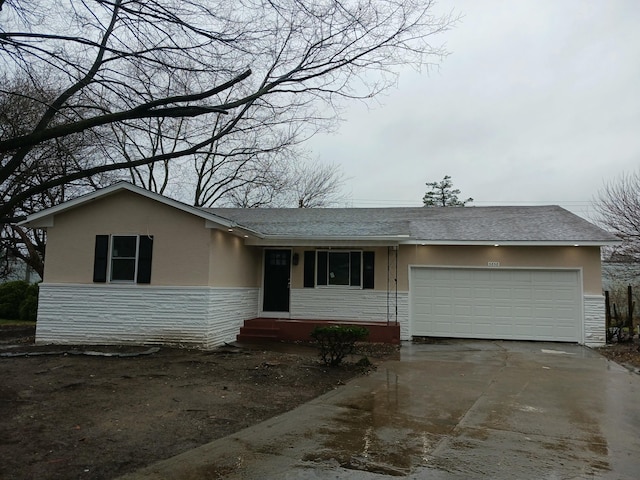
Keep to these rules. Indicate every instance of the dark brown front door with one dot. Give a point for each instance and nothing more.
(277, 271)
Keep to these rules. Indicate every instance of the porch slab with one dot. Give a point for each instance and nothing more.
(292, 330)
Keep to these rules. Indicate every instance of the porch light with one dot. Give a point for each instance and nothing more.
(230, 230)
(496, 245)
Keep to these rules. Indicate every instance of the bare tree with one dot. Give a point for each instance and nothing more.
(312, 184)
(617, 207)
(295, 182)
(50, 159)
(120, 64)
(442, 194)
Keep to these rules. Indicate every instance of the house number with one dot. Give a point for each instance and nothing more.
(493, 264)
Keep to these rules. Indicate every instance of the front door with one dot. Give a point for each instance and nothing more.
(277, 271)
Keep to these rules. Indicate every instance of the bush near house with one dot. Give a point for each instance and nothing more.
(18, 301)
(337, 341)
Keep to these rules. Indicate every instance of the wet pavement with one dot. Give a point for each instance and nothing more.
(449, 410)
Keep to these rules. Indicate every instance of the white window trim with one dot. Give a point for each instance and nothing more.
(342, 287)
(110, 257)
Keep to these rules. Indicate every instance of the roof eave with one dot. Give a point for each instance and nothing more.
(515, 243)
(44, 218)
(299, 240)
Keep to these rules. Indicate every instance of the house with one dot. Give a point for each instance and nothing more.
(127, 265)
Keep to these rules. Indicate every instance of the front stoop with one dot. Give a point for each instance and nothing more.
(259, 330)
(287, 330)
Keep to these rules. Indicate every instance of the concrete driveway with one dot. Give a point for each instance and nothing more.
(450, 410)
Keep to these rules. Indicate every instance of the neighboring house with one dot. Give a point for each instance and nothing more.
(127, 265)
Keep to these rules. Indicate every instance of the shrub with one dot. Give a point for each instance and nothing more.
(337, 341)
(11, 296)
(29, 304)
(18, 301)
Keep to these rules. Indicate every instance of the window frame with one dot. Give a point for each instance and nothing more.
(135, 259)
(327, 264)
(103, 259)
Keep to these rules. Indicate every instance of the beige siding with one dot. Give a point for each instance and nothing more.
(181, 241)
(585, 258)
(297, 271)
(232, 263)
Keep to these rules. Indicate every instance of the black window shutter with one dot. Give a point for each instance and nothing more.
(309, 268)
(368, 261)
(322, 268)
(100, 259)
(144, 259)
(355, 269)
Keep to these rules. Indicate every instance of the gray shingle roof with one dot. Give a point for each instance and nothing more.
(459, 224)
(464, 225)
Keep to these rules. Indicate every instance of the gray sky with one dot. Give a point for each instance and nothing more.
(538, 102)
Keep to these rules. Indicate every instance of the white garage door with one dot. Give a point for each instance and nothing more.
(497, 304)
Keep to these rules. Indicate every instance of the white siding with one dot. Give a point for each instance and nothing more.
(228, 309)
(594, 321)
(349, 305)
(116, 314)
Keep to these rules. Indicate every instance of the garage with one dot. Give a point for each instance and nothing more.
(491, 303)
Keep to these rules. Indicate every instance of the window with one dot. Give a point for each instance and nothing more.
(126, 258)
(338, 268)
(124, 252)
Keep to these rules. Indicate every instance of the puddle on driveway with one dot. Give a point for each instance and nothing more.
(479, 420)
(375, 434)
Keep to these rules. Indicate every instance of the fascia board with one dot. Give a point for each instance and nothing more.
(516, 243)
(233, 228)
(273, 240)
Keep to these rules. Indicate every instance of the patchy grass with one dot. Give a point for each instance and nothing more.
(16, 323)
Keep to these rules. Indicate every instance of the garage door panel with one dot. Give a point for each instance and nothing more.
(543, 294)
(443, 309)
(463, 310)
(492, 303)
(520, 293)
(503, 312)
(502, 293)
(523, 311)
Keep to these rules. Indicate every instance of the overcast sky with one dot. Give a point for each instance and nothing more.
(538, 102)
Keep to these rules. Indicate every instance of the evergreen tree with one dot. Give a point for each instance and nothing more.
(442, 194)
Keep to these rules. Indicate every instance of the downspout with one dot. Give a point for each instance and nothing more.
(396, 280)
(393, 249)
(388, 284)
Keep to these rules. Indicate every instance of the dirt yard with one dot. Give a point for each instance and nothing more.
(65, 415)
(71, 412)
(625, 353)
